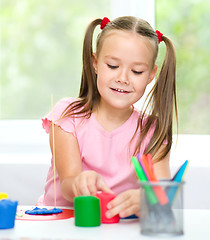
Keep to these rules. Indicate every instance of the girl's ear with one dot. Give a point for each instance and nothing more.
(94, 60)
(153, 73)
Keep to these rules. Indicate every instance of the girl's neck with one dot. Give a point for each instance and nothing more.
(111, 119)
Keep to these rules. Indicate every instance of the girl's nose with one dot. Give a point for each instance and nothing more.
(123, 77)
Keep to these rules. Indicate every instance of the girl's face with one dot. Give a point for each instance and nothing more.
(124, 67)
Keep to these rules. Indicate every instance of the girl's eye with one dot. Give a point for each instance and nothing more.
(112, 66)
(137, 72)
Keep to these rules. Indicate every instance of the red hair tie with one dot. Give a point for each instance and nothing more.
(159, 35)
(104, 22)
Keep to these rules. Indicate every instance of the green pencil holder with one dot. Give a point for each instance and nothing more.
(87, 211)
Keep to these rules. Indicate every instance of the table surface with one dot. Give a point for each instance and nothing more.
(196, 226)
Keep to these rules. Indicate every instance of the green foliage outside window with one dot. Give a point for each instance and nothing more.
(187, 24)
(41, 52)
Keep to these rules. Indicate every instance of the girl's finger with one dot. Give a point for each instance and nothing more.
(75, 187)
(83, 188)
(102, 186)
(125, 204)
(117, 207)
(133, 209)
(120, 199)
(91, 184)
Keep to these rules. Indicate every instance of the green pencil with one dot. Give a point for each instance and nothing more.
(143, 178)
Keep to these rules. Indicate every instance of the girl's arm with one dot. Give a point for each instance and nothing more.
(128, 203)
(67, 159)
(73, 181)
(162, 168)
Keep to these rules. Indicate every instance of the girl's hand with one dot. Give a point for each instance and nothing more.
(88, 183)
(125, 204)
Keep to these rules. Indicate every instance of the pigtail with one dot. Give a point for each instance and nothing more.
(88, 95)
(163, 97)
(88, 72)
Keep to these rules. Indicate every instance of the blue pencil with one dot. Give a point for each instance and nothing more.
(177, 178)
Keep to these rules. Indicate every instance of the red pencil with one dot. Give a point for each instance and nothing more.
(160, 193)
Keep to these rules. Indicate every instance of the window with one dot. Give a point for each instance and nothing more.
(41, 51)
(41, 44)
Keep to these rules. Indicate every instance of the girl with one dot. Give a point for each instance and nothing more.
(97, 134)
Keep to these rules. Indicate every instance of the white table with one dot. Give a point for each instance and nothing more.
(196, 226)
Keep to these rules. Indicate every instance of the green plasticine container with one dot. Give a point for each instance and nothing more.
(87, 211)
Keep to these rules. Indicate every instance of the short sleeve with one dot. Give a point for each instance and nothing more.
(67, 123)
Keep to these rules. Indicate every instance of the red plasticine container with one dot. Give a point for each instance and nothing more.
(105, 198)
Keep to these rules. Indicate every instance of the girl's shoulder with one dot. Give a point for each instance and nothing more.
(55, 115)
(62, 106)
(64, 102)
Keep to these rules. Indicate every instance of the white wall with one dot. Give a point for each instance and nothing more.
(24, 159)
(138, 8)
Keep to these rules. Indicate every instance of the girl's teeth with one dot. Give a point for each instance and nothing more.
(120, 90)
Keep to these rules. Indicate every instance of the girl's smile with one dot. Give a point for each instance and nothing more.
(121, 91)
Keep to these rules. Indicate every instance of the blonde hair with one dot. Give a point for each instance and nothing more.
(162, 98)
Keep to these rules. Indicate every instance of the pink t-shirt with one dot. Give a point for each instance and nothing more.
(107, 153)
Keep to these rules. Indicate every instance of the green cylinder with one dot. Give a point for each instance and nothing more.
(87, 211)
